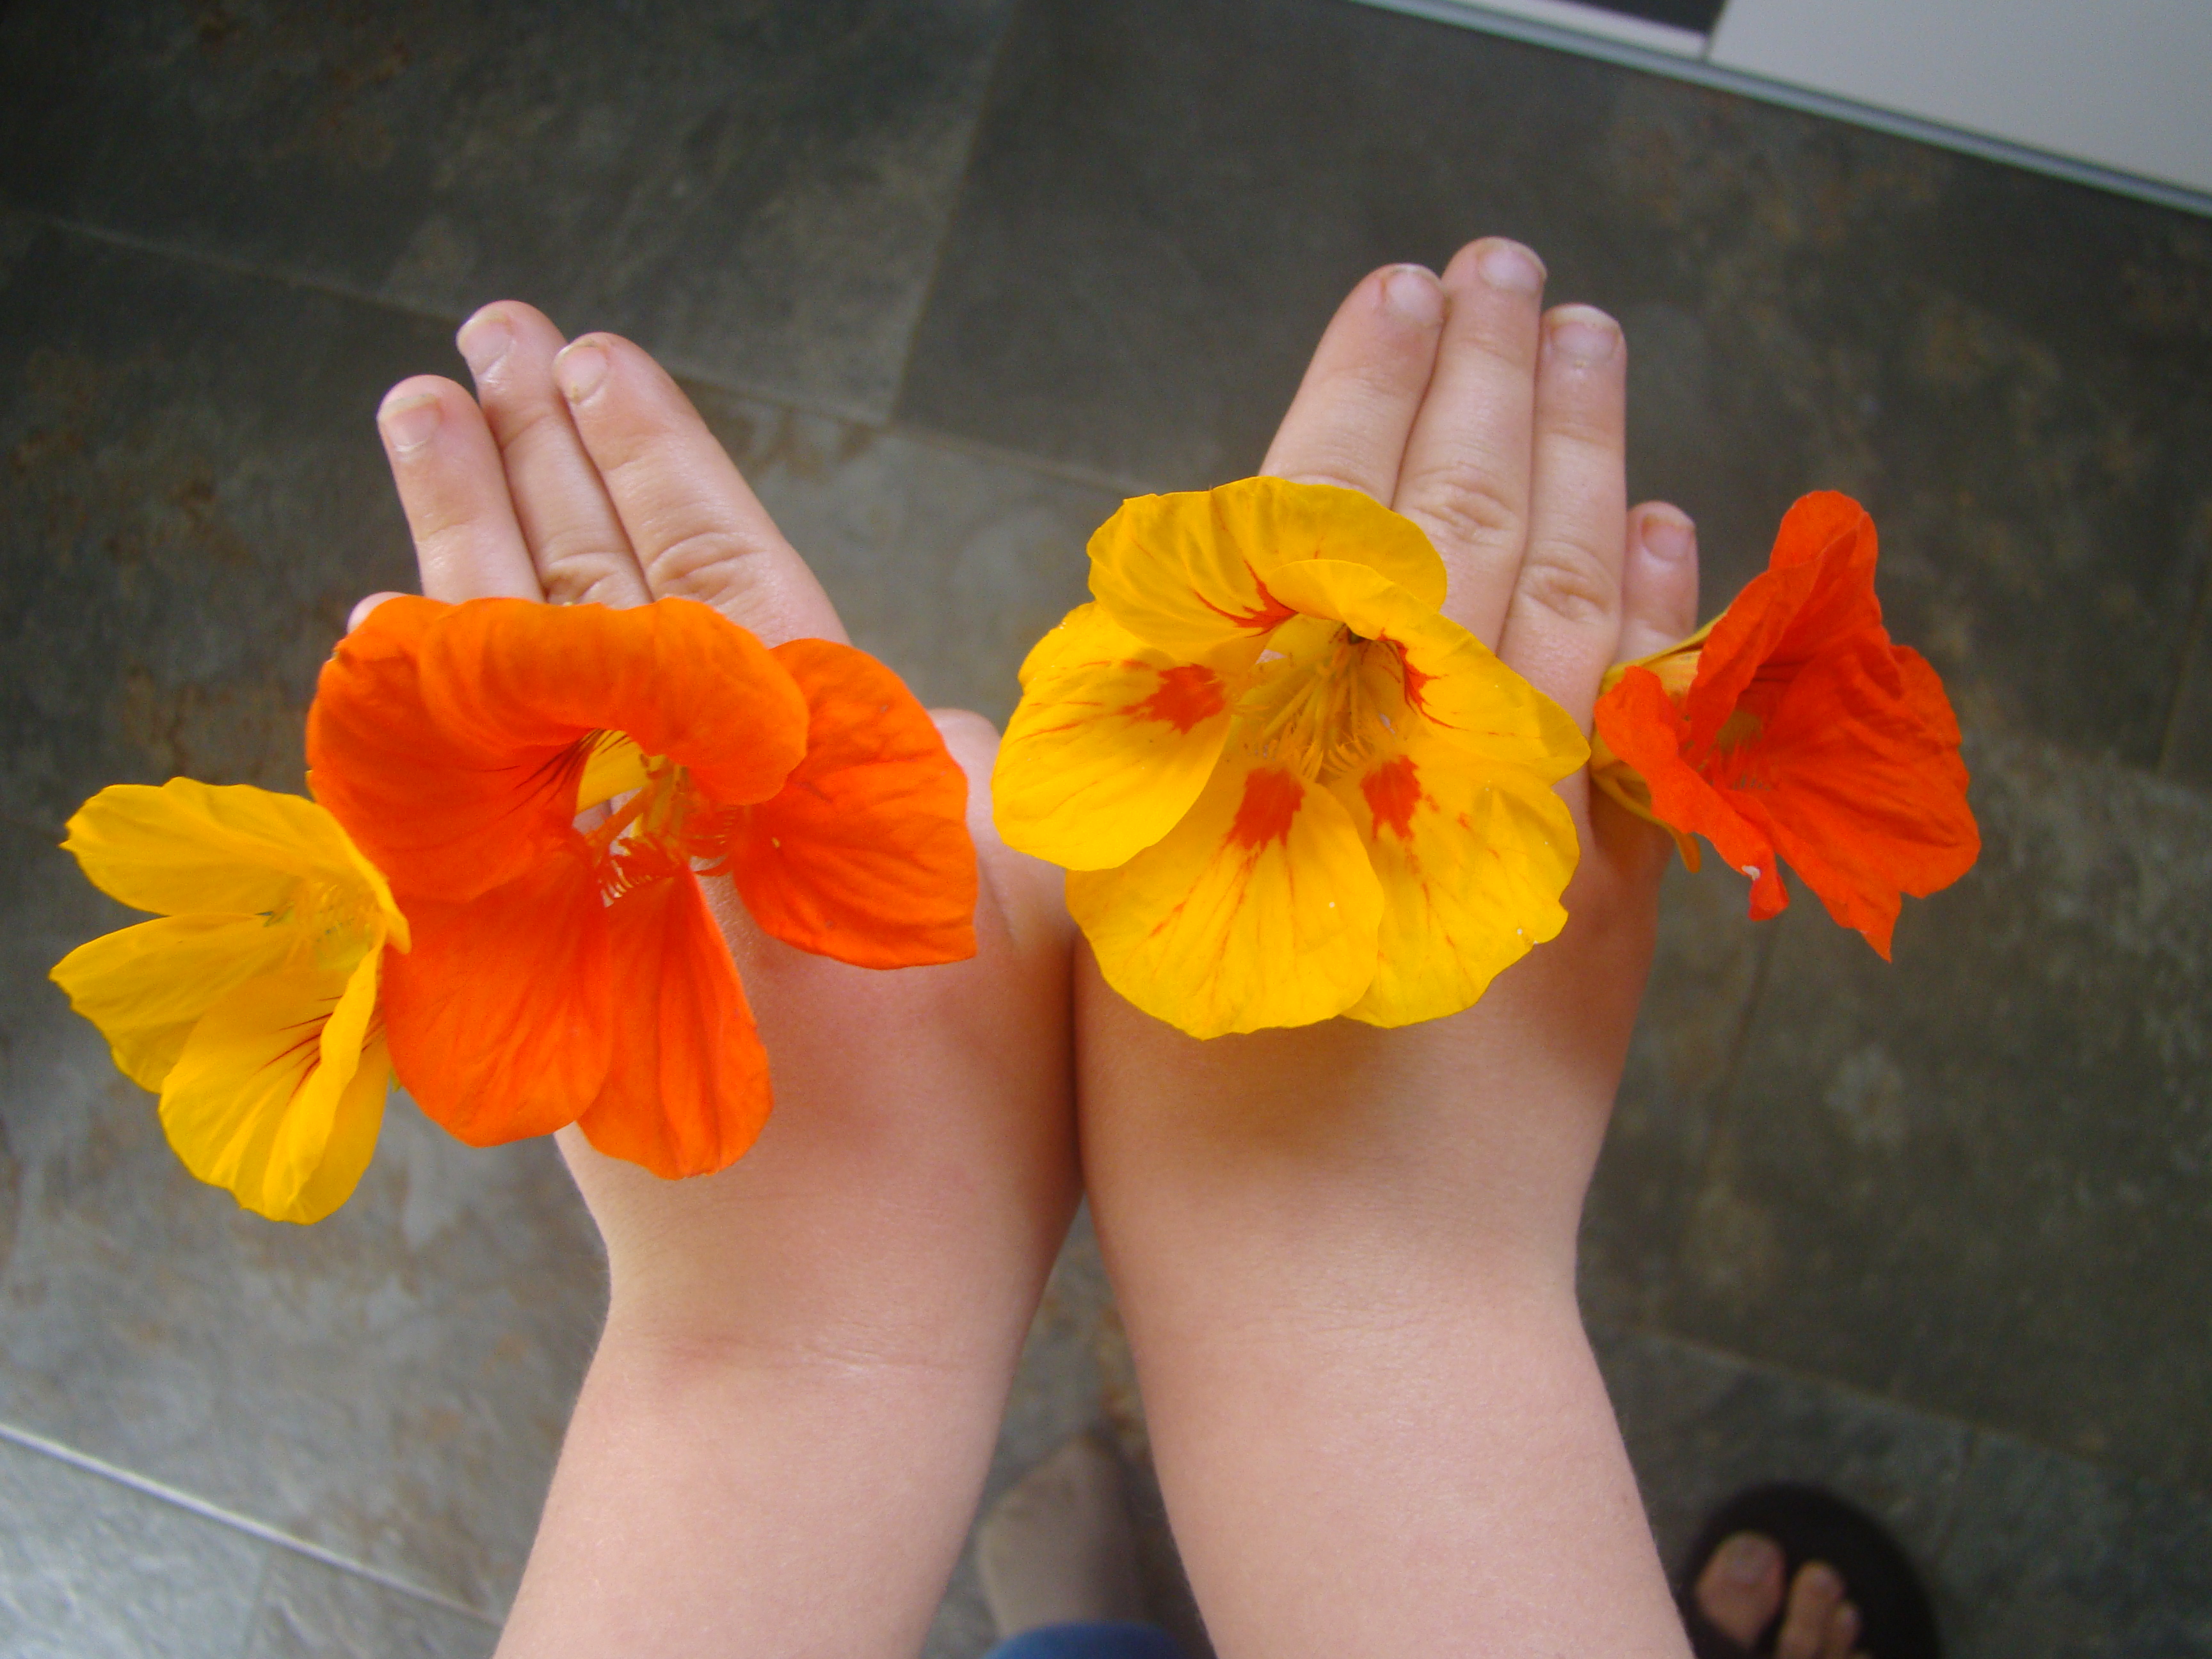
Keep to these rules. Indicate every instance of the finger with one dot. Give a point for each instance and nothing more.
(1347, 425)
(1812, 1599)
(1030, 894)
(1658, 581)
(1465, 475)
(359, 614)
(467, 544)
(1842, 1632)
(575, 539)
(697, 529)
(1563, 620)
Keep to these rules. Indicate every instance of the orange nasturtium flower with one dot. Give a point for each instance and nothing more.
(251, 1006)
(563, 975)
(1790, 727)
(1284, 786)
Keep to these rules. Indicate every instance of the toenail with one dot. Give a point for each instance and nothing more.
(409, 423)
(580, 368)
(1820, 1579)
(1511, 267)
(1746, 1558)
(1585, 336)
(483, 340)
(1413, 296)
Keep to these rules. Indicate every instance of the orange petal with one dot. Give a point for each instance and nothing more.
(497, 1018)
(864, 855)
(446, 737)
(688, 1089)
(1642, 726)
(1817, 591)
(1858, 780)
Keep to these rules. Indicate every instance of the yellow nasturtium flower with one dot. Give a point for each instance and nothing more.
(1284, 785)
(251, 1006)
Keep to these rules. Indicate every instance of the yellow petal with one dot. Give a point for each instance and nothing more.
(352, 1141)
(1110, 745)
(146, 987)
(1445, 673)
(1472, 860)
(615, 767)
(189, 847)
(1187, 573)
(1260, 908)
(253, 1104)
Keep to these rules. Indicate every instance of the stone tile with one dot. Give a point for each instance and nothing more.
(2187, 754)
(946, 564)
(1974, 1179)
(2054, 1558)
(755, 191)
(310, 1611)
(90, 1569)
(1701, 1426)
(1704, 976)
(1167, 200)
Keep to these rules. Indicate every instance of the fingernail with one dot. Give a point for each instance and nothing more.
(1669, 535)
(1745, 1560)
(1586, 337)
(409, 423)
(580, 368)
(1412, 294)
(483, 340)
(1511, 267)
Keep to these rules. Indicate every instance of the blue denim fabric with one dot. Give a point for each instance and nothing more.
(1115, 1641)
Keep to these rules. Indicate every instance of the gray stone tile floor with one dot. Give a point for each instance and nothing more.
(949, 277)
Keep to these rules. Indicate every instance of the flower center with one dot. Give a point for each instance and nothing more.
(663, 826)
(1316, 715)
(333, 922)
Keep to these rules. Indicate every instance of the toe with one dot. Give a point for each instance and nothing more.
(1741, 1588)
(1815, 1598)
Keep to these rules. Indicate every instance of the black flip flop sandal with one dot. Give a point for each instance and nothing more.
(1895, 1619)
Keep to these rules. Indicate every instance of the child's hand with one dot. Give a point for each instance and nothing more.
(1346, 1255)
(788, 1421)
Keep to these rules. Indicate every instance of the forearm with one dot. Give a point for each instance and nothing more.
(712, 1501)
(1376, 1416)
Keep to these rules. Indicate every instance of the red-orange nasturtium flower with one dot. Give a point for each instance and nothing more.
(1791, 728)
(560, 975)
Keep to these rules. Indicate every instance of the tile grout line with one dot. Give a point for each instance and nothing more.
(179, 1498)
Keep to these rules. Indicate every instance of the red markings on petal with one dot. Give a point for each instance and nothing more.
(1188, 695)
(1272, 798)
(1272, 614)
(1393, 791)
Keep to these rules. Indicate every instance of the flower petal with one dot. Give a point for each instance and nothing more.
(252, 1103)
(1188, 573)
(146, 987)
(1259, 909)
(864, 853)
(1646, 732)
(1450, 678)
(1472, 860)
(446, 736)
(689, 1089)
(1858, 779)
(498, 1018)
(1111, 744)
(1818, 590)
(189, 847)
(353, 1127)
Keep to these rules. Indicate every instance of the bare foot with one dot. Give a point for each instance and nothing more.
(1740, 1591)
